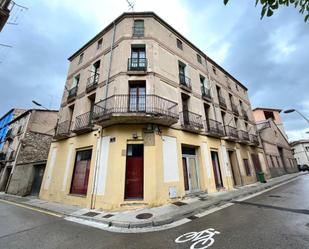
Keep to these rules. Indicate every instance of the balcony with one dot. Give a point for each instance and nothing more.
(254, 139)
(2, 156)
(206, 94)
(191, 121)
(92, 82)
(83, 123)
(10, 156)
(244, 136)
(72, 94)
(235, 109)
(138, 31)
(222, 102)
(63, 130)
(137, 65)
(231, 133)
(185, 82)
(245, 115)
(9, 134)
(134, 109)
(214, 128)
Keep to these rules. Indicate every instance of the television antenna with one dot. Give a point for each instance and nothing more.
(130, 5)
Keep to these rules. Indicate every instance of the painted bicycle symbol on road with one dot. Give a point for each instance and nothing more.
(202, 239)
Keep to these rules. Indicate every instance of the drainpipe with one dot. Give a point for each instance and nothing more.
(110, 60)
(17, 151)
(99, 143)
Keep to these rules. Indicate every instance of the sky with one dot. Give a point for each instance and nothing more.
(268, 56)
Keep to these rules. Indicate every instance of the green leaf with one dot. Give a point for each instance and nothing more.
(225, 2)
(269, 12)
(306, 18)
(263, 11)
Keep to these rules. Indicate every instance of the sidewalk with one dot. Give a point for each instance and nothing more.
(150, 217)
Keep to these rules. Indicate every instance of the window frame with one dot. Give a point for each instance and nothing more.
(179, 44)
(81, 58)
(199, 59)
(99, 43)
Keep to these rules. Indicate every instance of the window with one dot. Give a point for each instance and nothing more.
(138, 28)
(247, 167)
(214, 70)
(81, 172)
(199, 58)
(268, 115)
(204, 86)
(138, 61)
(100, 43)
(81, 57)
(307, 148)
(75, 81)
(236, 86)
(179, 44)
(74, 87)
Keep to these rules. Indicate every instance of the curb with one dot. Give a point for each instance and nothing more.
(185, 212)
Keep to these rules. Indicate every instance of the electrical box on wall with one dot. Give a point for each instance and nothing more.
(172, 192)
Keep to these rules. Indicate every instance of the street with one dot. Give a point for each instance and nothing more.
(278, 218)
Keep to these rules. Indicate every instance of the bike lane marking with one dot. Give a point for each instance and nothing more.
(199, 240)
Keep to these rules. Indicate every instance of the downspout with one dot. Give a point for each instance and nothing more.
(17, 151)
(99, 143)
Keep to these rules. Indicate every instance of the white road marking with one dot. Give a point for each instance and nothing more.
(201, 240)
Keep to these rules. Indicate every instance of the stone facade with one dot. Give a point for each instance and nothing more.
(26, 146)
(278, 152)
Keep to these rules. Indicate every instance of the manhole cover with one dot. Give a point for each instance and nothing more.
(108, 216)
(144, 216)
(179, 203)
(91, 214)
(193, 217)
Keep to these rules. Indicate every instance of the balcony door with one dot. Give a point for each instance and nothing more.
(138, 57)
(137, 98)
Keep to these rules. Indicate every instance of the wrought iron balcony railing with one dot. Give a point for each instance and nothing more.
(72, 93)
(137, 64)
(244, 136)
(244, 114)
(63, 129)
(138, 31)
(254, 139)
(83, 122)
(222, 101)
(139, 108)
(185, 81)
(214, 127)
(231, 132)
(191, 120)
(235, 109)
(92, 82)
(206, 94)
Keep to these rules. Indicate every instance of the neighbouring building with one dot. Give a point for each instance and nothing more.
(4, 121)
(26, 149)
(4, 12)
(147, 120)
(262, 114)
(278, 152)
(301, 151)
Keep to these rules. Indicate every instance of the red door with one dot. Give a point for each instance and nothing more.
(134, 182)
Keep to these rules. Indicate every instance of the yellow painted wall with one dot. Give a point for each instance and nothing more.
(156, 191)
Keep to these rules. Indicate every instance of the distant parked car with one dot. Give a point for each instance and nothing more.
(303, 167)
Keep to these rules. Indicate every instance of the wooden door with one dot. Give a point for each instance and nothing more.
(134, 181)
(216, 169)
(256, 163)
(37, 181)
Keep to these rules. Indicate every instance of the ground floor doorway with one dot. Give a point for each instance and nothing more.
(190, 170)
(216, 169)
(235, 168)
(37, 180)
(134, 177)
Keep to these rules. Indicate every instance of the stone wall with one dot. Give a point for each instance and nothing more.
(35, 147)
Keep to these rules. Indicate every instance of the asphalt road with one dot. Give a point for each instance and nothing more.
(276, 219)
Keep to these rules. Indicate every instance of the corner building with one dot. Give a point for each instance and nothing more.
(147, 118)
